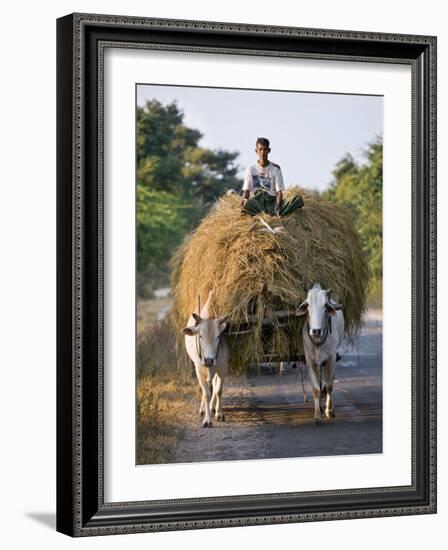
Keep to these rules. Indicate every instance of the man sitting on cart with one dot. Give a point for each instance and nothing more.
(264, 179)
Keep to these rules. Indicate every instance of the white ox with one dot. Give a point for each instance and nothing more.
(323, 332)
(209, 351)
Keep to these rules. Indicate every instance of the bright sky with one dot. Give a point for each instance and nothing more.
(309, 132)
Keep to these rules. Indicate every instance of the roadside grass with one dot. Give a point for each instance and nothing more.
(161, 405)
(165, 389)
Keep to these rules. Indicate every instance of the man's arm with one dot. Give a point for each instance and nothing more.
(247, 185)
(246, 195)
(278, 202)
(279, 186)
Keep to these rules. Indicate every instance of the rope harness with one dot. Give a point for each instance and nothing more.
(199, 350)
(327, 330)
(319, 343)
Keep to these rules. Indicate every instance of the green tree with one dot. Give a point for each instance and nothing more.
(207, 174)
(161, 224)
(162, 140)
(177, 182)
(170, 159)
(359, 187)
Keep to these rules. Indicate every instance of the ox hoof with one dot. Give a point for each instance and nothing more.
(206, 424)
(316, 421)
(220, 417)
(330, 414)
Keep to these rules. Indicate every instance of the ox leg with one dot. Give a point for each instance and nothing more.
(214, 396)
(202, 407)
(217, 393)
(329, 382)
(206, 396)
(315, 382)
(201, 393)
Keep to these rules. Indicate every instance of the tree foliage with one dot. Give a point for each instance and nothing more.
(160, 227)
(359, 187)
(177, 182)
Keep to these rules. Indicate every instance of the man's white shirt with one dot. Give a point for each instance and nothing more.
(268, 178)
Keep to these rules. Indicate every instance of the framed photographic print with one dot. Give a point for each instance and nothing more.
(246, 274)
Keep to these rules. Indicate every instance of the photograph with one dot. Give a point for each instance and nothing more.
(222, 291)
(259, 254)
(246, 274)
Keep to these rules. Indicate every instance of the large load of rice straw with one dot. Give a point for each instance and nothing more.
(258, 277)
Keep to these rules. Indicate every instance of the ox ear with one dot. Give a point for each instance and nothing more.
(190, 331)
(302, 309)
(222, 324)
(197, 318)
(328, 291)
(330, 308)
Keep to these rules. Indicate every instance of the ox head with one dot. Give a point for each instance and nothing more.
(317, 306)
(209, 333)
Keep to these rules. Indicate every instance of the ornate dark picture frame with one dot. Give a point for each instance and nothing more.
(81, 509)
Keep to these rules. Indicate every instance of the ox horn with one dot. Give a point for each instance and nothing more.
(302, 309)
(197, 318)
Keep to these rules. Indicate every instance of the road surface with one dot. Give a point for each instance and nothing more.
(266, 416)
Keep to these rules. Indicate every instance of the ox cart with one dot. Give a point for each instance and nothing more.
(260, 277)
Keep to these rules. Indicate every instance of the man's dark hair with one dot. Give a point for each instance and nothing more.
(262, 141)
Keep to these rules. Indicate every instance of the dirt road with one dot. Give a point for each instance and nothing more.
(267, 418)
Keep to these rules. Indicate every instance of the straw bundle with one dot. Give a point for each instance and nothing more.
(255, 273)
